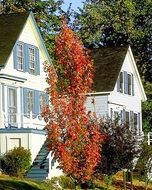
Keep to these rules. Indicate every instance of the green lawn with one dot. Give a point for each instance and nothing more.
(8, 183)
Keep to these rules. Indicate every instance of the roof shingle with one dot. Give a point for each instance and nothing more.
(11, 26)
(107, 62)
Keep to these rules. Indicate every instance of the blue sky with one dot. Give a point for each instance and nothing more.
(75, 4)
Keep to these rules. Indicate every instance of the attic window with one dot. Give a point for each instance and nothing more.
(125, 83)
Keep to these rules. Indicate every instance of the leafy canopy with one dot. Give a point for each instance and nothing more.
(74, 136)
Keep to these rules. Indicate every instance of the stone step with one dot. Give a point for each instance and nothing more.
(40, 171)
(37, 175)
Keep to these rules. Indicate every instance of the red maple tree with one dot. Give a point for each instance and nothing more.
(74, 135)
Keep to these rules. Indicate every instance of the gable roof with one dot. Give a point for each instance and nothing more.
(107, 62)
(10, 27)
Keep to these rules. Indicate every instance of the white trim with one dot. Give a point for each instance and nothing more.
(99, 93)
(140, 86)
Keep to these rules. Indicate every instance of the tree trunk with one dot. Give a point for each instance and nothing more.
(124, 179)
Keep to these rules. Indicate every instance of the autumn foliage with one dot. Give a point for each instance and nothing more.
(73, 134)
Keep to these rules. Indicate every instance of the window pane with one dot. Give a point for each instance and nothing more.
(127, 118)
(30, 101)
(42, 102)
(32, 60)
(135, 120)
(12, 105)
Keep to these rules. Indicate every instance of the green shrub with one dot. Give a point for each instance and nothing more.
(16, 161)
(66, 182)
(62, 182)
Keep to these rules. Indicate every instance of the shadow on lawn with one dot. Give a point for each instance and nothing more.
(16, 185)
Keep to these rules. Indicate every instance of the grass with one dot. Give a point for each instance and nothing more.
(12, 183)
(8, 183)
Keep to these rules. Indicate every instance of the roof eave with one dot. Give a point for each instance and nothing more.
(141, 88)
(41, 39)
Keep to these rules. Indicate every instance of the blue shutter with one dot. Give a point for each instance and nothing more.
(36, 107)
(124, 115)
(133, 91)
(111, 114)
(121, 116)
(132, 120)
(3, 98)
(25, 101)
(139, 123)
(118, 84)
(37, 62)
(26, 58)
(15, 56)
(126, 82)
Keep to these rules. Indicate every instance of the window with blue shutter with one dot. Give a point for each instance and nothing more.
(125, 83)
(26, 58)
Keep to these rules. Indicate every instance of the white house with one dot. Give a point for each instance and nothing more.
(22, 84)
(117, 91)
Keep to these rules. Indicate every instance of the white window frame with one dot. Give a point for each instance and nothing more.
(32, 60)
(122, 84)
(20, 56)
(12, 109)
(42, 102)
(30, 101)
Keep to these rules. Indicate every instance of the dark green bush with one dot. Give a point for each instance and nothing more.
(16, 161)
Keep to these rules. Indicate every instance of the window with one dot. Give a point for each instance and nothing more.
(12, 105)
(26, 58)
(30, 101)
(127, 118)
(42, 102)
(32, 60)
(135, 121)
(20, 57)
(116, 117)
(125, 83)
